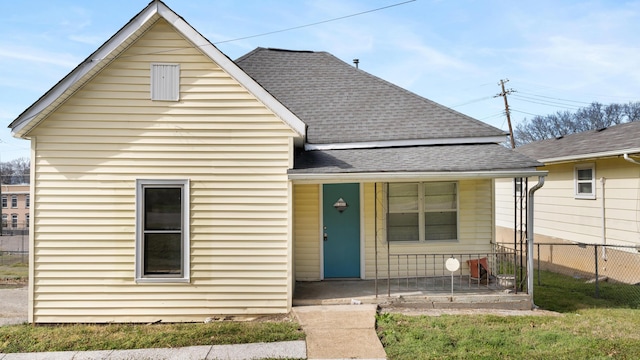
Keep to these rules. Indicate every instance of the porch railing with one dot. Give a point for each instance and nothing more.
(496, 270)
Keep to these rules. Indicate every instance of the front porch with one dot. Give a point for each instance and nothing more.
(465, 294)
(478, 280)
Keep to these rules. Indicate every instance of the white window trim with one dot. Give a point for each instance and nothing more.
(592, 195)
(421, 211)
(186, 253)
(175, 91)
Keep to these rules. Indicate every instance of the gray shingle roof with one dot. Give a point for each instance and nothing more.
(442, 158)
(614, 138)
(342, 104)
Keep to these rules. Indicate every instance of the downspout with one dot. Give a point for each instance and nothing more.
(603, 181)
(530, 238)
(629, 159)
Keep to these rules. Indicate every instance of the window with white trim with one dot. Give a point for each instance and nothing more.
(585, 181)
(4, 201)
(165, 82)
(422, 211)
(14, 201)
(14, 220)
(162, 221)
(27, 201)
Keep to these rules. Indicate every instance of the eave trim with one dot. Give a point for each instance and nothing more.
(411, 176)
(403, 143)
(570, 158)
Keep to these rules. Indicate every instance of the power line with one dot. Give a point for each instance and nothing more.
(546, 103)
(523, 97)
(313, 24)
(524, 112)
(472, 101)
(554, 98)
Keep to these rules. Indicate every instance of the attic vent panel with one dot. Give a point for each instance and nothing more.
(165, 82)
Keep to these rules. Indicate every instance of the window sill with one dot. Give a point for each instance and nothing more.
(162, 280)
(584, 197)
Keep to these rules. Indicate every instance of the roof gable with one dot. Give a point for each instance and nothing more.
(611, 141)
(342, 104)
(118, 43)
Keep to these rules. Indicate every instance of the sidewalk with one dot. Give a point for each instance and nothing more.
(332, 332)
(277, 350)
(340, 331)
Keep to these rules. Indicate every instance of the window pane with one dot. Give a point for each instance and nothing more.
(439, 196)
(162, 209)
(585, 174)
(162, 254)
(440, 225)
(403, 227)
(585, 188)
(403, 197)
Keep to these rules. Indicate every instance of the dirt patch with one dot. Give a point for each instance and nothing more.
(14, 305)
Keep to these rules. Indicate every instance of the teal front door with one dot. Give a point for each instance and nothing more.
(341, 230)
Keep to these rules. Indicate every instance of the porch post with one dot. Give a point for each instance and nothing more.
(530, 238)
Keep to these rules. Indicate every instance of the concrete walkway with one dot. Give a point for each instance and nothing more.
(340, 331)
(276, 350)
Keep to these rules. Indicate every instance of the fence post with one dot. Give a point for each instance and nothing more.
(595, 252)
(538, 263)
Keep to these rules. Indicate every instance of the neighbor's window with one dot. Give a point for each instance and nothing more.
(14, 201)
(585, 181)
(26, 218)
(165, 82)
(163, 230)
(422, 211)
(14, 220)
(4, 202)
(4, 220)
(27, 201)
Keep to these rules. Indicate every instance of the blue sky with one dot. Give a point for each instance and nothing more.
(558, 55)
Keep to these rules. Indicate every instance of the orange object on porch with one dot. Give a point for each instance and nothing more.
(476, 267)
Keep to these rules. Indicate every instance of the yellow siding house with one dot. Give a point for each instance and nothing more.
(171, 183)
(591, 197)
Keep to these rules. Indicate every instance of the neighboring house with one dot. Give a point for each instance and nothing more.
(173, 183)
(15, 207)
(591, 194)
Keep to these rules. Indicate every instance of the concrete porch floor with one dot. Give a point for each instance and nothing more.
(439, 296)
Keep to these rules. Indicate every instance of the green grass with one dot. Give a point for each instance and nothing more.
(590, 328)
(589, 334)
(13, 272)
(563, 293)
(29, 338)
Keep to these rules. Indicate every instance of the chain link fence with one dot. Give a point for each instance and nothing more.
(14, 244)
(605, 271)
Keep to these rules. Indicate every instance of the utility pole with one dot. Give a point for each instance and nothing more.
(504, 94)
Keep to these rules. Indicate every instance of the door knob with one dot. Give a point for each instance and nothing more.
(326, 236)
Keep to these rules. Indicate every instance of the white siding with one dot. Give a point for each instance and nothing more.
(560, 216)
(91, 150)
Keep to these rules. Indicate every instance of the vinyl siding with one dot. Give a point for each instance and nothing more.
(475, 227)
(560, 216)
(91, 150)
(307, 232)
